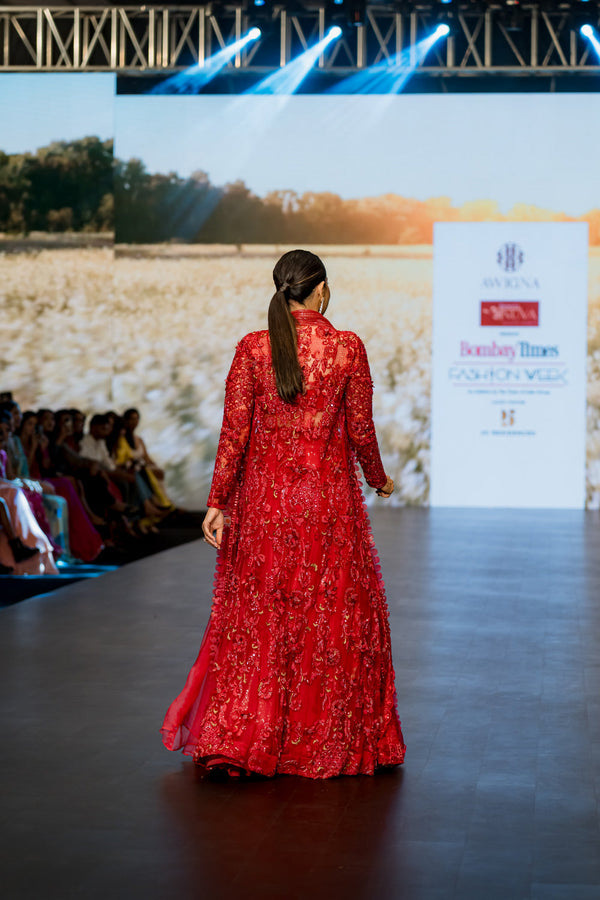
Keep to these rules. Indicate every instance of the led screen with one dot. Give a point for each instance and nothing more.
(210, 190)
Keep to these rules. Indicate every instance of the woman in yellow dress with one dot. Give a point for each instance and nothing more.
(153, 500)
(132, 448)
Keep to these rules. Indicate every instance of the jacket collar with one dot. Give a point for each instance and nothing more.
(307, 316)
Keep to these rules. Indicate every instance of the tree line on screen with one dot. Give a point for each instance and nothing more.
(79, 186)
(151, 208)
(67, 186)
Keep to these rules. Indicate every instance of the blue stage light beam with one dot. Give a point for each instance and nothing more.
(288, 79)
(391, 76)
(588, 32)
(192, 80)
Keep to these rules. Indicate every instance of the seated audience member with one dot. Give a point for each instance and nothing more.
(94, 493)
(75, 438)
(111, 417)
(24, 548)
(93, 444)
(102, 498)
(19, 550)
(64, 458)
(28, 434)
(153, 473)
(46, 421)
(141, 492)
(49, 509)
(45, 429)
(82, 539)
(16, 456)
(68, 461)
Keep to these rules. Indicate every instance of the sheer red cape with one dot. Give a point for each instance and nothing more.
(295, 672)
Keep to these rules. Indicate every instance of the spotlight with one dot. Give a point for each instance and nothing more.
(193, 79)
(259, 2)
(589, 32)
(288, 79)
(391, 76)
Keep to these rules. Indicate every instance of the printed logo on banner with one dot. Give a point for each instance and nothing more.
(510, 312)
(508, 364)
(510, 257)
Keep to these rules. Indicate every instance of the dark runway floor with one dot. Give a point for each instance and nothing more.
(495, 619)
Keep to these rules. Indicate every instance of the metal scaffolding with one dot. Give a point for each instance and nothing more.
(158, 39)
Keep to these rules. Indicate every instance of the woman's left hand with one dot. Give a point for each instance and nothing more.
(214, 521)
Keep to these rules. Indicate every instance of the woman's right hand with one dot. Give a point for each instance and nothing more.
(387, 490)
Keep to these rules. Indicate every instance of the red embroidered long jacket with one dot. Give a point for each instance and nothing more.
(295, 672)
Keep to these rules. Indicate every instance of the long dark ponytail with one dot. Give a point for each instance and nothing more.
(296, 275)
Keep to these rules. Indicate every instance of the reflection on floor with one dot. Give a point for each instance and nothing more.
(495, 619)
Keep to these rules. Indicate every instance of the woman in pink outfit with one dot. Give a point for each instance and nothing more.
(20, 532)
(85, 542)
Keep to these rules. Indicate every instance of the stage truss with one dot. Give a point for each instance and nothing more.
(147, 39)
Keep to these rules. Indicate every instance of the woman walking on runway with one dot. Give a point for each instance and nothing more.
(294, 675)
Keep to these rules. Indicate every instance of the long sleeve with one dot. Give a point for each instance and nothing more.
(359, 420)
(235, 431)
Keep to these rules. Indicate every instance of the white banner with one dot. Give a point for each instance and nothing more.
(509, 365)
